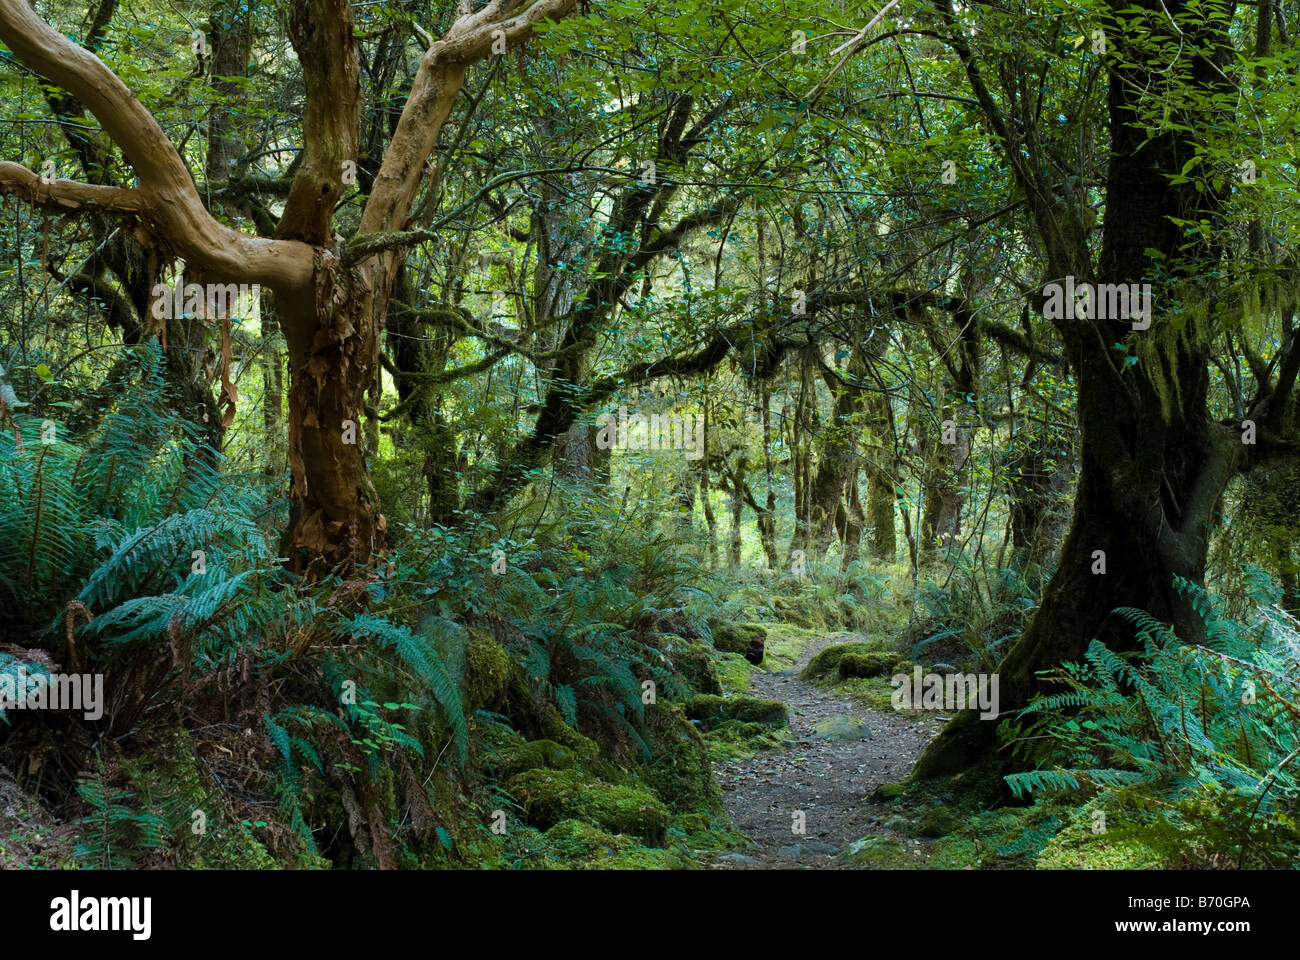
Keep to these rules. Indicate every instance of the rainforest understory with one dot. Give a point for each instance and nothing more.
(542, 434)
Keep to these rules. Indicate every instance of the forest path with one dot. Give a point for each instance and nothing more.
(831, 781)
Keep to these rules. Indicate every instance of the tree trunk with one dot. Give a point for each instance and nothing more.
(1153, 466)
(881, 467)
(272, 386)
(854, 522)
(1041, 473)
(737, 509)
(333, 350)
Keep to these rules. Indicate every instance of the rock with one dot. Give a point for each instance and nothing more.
(517, 755)
(711, 711)
(810, 848)
(679, 770)
(897, 824)
(820, 849)
(841, 728)
(868, 665)
(888, 791)
(939, 822)
(747, 639)
(737, 860)
(550, 796)
(877, 851)
(871, 663)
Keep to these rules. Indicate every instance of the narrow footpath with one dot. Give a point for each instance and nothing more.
(840, 752)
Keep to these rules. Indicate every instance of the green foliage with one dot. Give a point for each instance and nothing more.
(1188, 749)
(973, 620)
(116, 833)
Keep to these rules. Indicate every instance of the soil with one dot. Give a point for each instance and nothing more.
(830, 781)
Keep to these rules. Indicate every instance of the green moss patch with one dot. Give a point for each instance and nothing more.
(710, 711)
(679, 771)
(869, 665)
(487, 669)
(549, 796)
(868, 661)
(694, 661)
(746, 639)
(878, 853)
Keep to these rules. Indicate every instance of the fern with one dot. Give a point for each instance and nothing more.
(1186, 729)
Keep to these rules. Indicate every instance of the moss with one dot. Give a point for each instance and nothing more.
(806, 609)
(168, 782)
(889, 791)
(641, 858)
(878, 853)
(554, 728)
(712, 710)
(572, 843)
(878, 694)
(575, 840)
(733, 672)
(827, 662)
(746, 639)
(731, 740)
(487, 669)
(1076, 847)
(694, 662)
(938, 822)
(786, 643)
(549, 796)
(680, 771)
(530, 755)
(868, 664)
(1007, 838)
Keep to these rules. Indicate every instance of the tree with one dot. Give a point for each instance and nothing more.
(331, 300)
(1153, 462)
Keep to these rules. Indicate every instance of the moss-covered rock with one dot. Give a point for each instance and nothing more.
(888, 791)
(711, 711)
(868, 664)
(878, 853)
(572, 843)
(554, 728)
(695, 663)
(520, 755)
(549, 796)
(938, 822)
(679, 771)
(487, 669)
(575, 840)
(746, 639)
(640, 858)
(827, 663)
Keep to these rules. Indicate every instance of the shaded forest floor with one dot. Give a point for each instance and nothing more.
(836, 752)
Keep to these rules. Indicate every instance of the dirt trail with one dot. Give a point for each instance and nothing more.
(831, 781)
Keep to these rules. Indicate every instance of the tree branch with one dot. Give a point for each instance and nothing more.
(170, 209)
